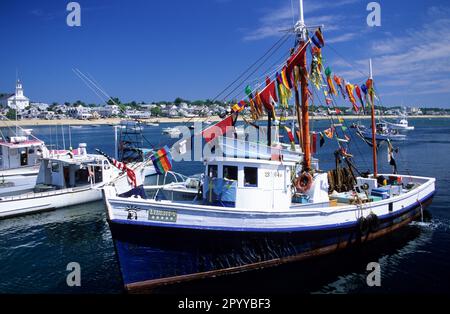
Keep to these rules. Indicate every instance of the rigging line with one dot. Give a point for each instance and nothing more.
(334, 103)
(346, 61)
(304, 46)
(271, 70)
(253, 72)
(90, 87)
(251, 66)
(274, 47)
(94, 84)
(268, 73)
(4, 118)
(100, 89)
(407, 168)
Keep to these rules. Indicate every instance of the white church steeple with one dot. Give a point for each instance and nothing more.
(19, 89)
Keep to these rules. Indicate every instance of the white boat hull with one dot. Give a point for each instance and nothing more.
(30, 202)
(298, 217)
(38, 202)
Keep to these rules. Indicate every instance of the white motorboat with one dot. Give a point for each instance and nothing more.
(65, 180)
(401, 125)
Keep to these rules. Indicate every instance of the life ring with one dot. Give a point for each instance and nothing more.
(304, 182)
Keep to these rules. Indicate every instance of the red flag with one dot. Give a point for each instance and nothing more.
(313, 143)
(358, 93)
(294, 60)
(267, 93)
(220, 127)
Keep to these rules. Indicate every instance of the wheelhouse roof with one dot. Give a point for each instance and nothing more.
(27, 143)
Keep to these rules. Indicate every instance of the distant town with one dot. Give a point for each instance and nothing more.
(16, 106)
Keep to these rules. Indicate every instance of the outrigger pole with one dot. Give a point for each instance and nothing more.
(303, 122)
(374, 140)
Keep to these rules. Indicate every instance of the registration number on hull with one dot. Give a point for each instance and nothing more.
(162, 215)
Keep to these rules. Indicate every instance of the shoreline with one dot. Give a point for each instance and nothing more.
(114, 121)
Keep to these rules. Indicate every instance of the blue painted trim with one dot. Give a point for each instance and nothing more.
(296, 229)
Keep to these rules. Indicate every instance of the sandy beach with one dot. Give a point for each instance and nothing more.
(113, 121)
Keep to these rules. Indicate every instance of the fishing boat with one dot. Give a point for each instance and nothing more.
(260, 204)
(401, 124)
(383, 133)
(65, 180)
(20, 153)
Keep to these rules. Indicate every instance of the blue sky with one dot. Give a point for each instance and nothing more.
(158, 50)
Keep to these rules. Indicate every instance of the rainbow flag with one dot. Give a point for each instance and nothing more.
(162, 160)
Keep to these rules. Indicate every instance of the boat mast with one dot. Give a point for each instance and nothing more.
(300, 29)
(374, 140)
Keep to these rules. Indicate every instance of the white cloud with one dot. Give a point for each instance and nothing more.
(275, 21)
(414, 62)
(342, 38)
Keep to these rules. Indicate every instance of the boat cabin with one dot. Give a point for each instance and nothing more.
(17, 151)
(72, 171)
(248, 183)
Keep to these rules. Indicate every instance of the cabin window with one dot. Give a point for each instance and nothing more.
(212, 171)
(230, 172)
(55, 167)
(250, 176)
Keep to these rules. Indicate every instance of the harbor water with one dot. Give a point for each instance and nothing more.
(36, 249)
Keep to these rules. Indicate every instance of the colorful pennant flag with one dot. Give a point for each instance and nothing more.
(329, 132)
(358, 93)
(331, 88)
(291, 137)
(162, 160)
(238, 107)
(349, 87)
(338, 81)
(317, 39)
(283, 94)
(253, 109)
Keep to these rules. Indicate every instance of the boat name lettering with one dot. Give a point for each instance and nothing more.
(162, 215)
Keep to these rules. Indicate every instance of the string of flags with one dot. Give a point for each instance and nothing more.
(278, 91)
